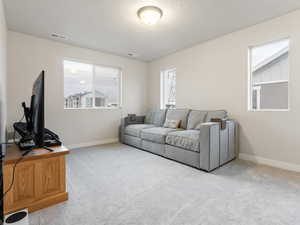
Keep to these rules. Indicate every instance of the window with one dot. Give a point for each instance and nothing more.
(168, 88)
(91, 86)
(269, 76)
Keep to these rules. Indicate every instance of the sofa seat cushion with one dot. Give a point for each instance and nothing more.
(156, 134)
(188, 139)
(135, 129)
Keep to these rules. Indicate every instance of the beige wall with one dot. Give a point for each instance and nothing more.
(28, 55)
(2, 73)
(214, 75)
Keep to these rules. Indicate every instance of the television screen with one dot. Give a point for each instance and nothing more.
(37, 108)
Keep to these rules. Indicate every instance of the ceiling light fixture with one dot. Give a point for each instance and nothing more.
(150, 15)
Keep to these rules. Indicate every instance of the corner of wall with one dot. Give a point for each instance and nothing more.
(3, 72)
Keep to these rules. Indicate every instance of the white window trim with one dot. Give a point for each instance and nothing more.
(271, 82)
(100, 65)
(162, 91)
(258, 89)
(250, 108)
(270, 110)
(162, 86)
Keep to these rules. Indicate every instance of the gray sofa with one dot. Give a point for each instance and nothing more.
(198, 142)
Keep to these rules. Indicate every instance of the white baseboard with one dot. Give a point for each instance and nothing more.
(93, 143)
(88, 144)
(270, 162)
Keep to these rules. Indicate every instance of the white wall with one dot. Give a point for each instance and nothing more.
(2, 73)
(28, 55)
(213, 75)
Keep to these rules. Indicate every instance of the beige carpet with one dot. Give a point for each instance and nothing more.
(120, 185)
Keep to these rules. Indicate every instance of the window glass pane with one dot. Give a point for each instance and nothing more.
(78, 85)
(107, 82)
(269, 76)
(87, 86)
(171, 88)
(168, 80)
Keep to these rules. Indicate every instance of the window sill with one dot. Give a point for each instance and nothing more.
(95, 108)
(268, 110)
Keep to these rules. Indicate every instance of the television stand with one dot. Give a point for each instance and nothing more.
(40, 178)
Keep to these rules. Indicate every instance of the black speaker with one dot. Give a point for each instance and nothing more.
(15, 217)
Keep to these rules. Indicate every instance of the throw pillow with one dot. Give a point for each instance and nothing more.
(172, 124)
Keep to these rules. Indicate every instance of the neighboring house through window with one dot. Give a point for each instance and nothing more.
(269, 76)
(91, 86)
(168, 88)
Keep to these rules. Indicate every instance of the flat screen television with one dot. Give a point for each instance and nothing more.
(37, 110)
(33, 133)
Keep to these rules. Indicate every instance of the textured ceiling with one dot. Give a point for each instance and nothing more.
(113, 26)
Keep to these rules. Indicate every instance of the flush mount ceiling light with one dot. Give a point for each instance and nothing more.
(150, 15)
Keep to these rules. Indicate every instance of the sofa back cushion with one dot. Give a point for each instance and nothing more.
(195, 118)
(156, 117)
(218, 114)
(178, 114)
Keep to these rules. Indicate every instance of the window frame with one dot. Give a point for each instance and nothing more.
(120, 106)
(250, 81)
(162, 85)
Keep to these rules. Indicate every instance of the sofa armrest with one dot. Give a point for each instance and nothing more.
(127, 121)
(233, 132)
(137, 120)
(209, 146)
(218, 146)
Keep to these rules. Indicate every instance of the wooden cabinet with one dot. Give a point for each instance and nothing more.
(40, 179)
